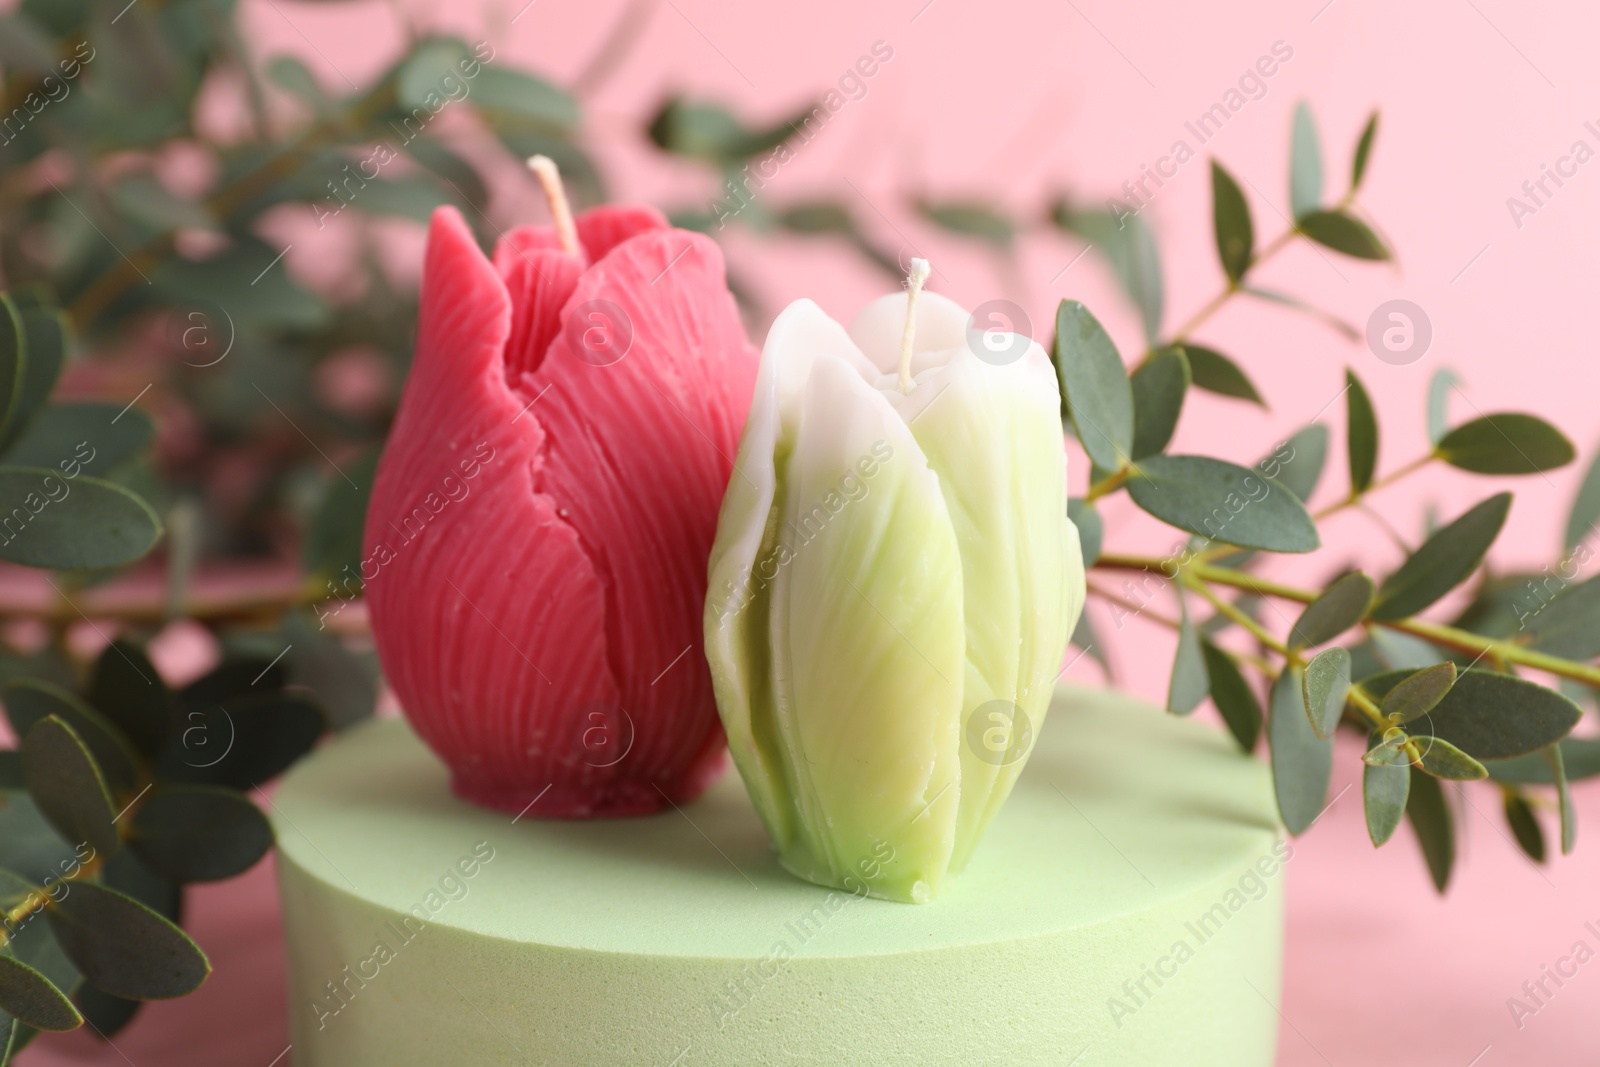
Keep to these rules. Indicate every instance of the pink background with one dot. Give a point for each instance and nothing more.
(1014, 102)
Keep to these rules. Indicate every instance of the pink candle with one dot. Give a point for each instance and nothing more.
(537, 540)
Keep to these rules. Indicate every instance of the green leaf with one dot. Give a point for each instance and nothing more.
(44, 332)
(1585, 513)
(1189, 683)
(1085, 638)
(1569, 814)
(1324, 686)
(1443, 760)
(1434, 825)
(123, 947)
(1342, 232)
(67, 786)
(1569, 625)
(1236, 702)
(1341, 606)
(1580, 758)
(1305, 163)
(1444, 561)
(1125, 240)
(1358, 165)
(1302, 763)
(294, 77)
(29, 701)
(970, 218)
(199, 833)
(1490, 715)
(1158, 389)
(1363, 434)
(1301, 468)
(13, 361)
(82, 437)
(126, 688)
(1094, 385)
(345, 681)
(1385, 786)
(505, 93)
(1230, 218)
(81, 524)
(1419, 693)
(1216, 373)
(244, 740)
(28, 996)
(1223, 501)
(1506, 443)
(1090, 529)
(333, 548)
(1525, 826)
(1439, 386)
(28, 843)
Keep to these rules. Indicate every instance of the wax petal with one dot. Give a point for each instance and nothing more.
(834, 624)
(513, 617)
(992, 433)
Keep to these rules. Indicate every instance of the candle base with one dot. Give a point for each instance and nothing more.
(1128, 901)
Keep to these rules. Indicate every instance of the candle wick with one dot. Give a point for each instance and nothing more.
(914, 283)
(544, 168)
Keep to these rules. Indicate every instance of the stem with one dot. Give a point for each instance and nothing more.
(1434, 633)
(1133, 607)
(1359, 698)
(1389, 479)
(39, 899)
(1108, 485)
(1215, 304)
(1261, 633)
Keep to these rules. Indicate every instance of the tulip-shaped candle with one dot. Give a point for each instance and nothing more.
(537, 539)
(892, 587)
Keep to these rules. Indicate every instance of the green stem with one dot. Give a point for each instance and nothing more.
(1107, 485)
(1434, 633)
(1389, 479)
(1261, 633)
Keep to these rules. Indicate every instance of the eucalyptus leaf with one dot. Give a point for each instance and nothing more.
(1189, 683)
(1434, 825)
(82, 437)
(1506, 443)
(1439, 387)
(1418, 694)
(106, 1013)
(1230, 219)
(1342, 232)
(293, 76)
(1302, 763)
(1492, 716)
(970, 218)
(1362, 441)
(67, 786)
(126, 688)
(1443, 760)
(1302, 468)
(79, 524)
(28, 996)
(124, 948)
(1090, 529)
(1580, 758)
(1585, 513)
(1358, 164)
(45, 334)
(244, 740)
(1385, 785)
(1216, 373)
(1094, 385)
(1569, 625)
(1236, 702)
(1087, 639)
(1569, 814)
(1324, 686)
(1341, 606)
(1305, 163)
(1524, 824)
(13, 361)
(29, 701)
(1396, 651)
(1444, 561)
(1127, 243)
(199, 833)
(1158, 387)
(504, 92)
(333, 546)
(1224, 502)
